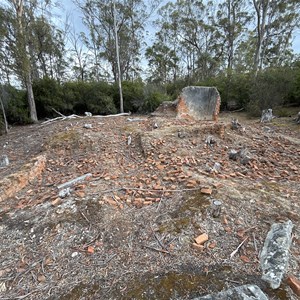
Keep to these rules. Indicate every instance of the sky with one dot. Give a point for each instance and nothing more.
(68, 7)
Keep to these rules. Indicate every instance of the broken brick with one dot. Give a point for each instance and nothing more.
(201, 239)
(206, 190)
(197, 247)
(294, 284)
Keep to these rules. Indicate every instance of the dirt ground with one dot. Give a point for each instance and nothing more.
(127, 230)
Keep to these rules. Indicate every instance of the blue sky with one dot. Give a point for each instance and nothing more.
(70, 8)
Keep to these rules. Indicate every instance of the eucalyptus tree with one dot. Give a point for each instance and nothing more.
(187, 29)
(47, 48)
(33, 46)
(276, 22)
(232, 22)
(162, 61)
(131, 16)
(17, 41)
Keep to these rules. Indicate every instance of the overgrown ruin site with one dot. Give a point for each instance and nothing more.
(127, 230)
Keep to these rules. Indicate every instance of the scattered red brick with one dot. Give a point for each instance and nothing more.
(201, 239)
(294, 284)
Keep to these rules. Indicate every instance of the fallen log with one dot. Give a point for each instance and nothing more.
(73, 181)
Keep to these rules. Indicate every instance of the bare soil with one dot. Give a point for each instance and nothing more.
(127, 231)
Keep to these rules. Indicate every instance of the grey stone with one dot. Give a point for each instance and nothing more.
(199, 102)
(267, 115)
(210, 141)
(275, 253)
(217, 167)
(64, 193)
(233, 154)
(244, 292)
(4, 162)
(235, 125)
(298, 118)
(166, 108)
(88, 126)
(245, 156)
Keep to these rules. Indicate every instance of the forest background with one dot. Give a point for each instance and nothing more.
(243, 47)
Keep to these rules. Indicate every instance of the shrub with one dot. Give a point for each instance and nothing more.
(271, 88)
(94, 97)
(47, 95)
(133, 95)
(153, 97)
(15, 102)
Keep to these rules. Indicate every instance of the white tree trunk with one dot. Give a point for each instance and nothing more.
(4, 116)
(118, 60)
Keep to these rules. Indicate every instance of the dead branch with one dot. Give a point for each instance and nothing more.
(58, 113)
(237, 110)
(115, 115)
(61, 119)
(73, 181)
(238, 248)
(161, 190)
(158, 250)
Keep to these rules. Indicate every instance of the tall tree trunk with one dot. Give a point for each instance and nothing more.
(118, 60)
(4, 115)
(30, 97)
(261, 8)
(24, 59)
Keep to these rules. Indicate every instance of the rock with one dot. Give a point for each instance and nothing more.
(294, 284)
(233, 154)
(298, 118)
(244, 292)
(199, 102)
(267, 115)
(216, 208)
(235, 125)
(210, 141)
(216, 168)
(64, 192)
(244, 156)
(167, 108)
(88, 114)
(275, 253)
(74, 254)
(88, 126)
(195, 102)
(4, 162)
(181, 134)
(201, 239)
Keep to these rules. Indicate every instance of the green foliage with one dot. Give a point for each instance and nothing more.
(174, 89)
(271, 88)
(295, 96)
(15, 102)
(153, 97)
(233, 88)
(133, 95)
(93, 97)
(72, 97)
(48, 94)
